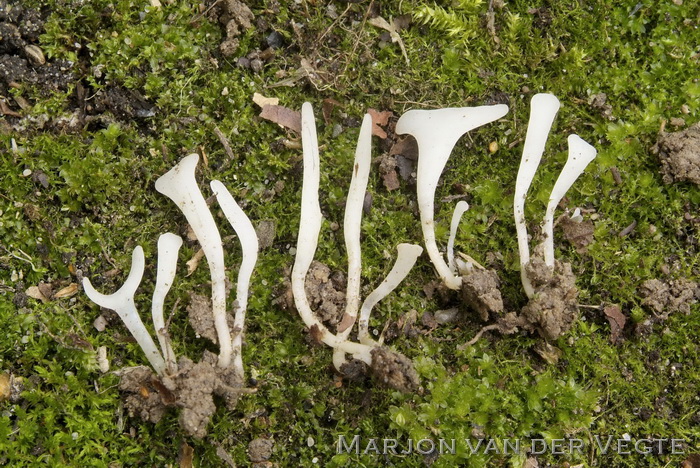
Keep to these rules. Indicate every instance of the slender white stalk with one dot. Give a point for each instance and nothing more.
(405, 259)
(437, 132)
(122, 302)
(352, 223)
(309, 227)
(580, 155)
(249, 246)
(179, 185)
(168, 247)
(460, 209)
(543, 109)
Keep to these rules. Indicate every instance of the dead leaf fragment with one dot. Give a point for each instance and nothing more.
(263, 101)
(186, 455)
(4, 387)
(46, 289)
(5, 109)
(617, 321)
(379, 120)
(285, 118)
(35, 293)
(580, 235)
(693, 461)
(531, 463)
(68, 291)
(327, 107)
(193, 262)
(393, 29)
(316, 334)
(548, 352)
(100, 323)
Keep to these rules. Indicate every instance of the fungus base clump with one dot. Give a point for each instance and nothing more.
(191, 389)
(393, 370)
(480, 291)
(552, 310)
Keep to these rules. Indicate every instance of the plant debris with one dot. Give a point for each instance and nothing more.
(282, 116)
(617, 322)
(380, 119)
(578, 234)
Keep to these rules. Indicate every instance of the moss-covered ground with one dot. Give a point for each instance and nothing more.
(98, 202)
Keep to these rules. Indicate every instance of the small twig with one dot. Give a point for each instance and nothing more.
(109, 259)
(197, 17)
(626, 231)
(225, 143)
(616, 175)
(586, 306)
(329, 28)
(477, 336)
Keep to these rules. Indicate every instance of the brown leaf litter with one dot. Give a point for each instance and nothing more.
(617, 321)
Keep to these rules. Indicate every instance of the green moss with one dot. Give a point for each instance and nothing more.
(100, 203)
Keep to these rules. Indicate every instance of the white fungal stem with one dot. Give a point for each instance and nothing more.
(168, 248)
(179, 185)
(122, 302)
(460, 209)
(249, 246)
(309, 228)
(405, 259)
(543, 109)
(437, 132)
(352, 223)
(580, 155)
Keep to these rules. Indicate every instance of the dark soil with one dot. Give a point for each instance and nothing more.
(679, 153)
(191, 389)
(21, 59)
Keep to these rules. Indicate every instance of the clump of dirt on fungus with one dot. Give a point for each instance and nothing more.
(679, 153)
(191, 389)
(552, 310)
(235, 16)
(325, 291)
(355, 370)
(201, 318)
(665, 297)
(480, 291)
(393, 370)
